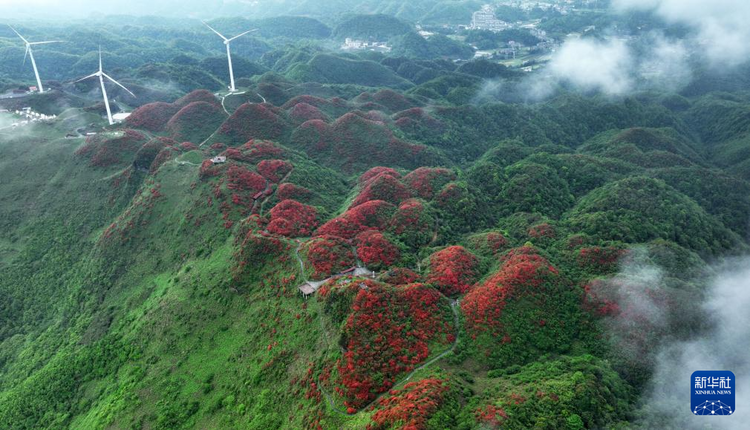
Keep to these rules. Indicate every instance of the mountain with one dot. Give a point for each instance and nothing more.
(353, 240)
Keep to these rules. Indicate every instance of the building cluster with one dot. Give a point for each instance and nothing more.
(562, 6)
(485, 19)
(362, 45)
(29, 116)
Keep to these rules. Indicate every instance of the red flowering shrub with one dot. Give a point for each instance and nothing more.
(148, 152)
(407, 125)
(290, 191)
(112, 148)
(188, 146)
(235, 154)
(374, 250)
(274, 170)
(425, 182)
(524, 309)
(382, 187)
(152, 116)
(453, 270)
(392, 100)
(600, 259)
(329, 255)
(313, 136)
(411, 407)
(541, 231)
(416, 119)
(241, 179)
(341, 227)
(491, 415)
(412, 223)
(599, 298)
(361, 142)
(374, 214)
(257, 249)
(256, 150)
(400, 276)
(387, 334)
(635, 309)
(291, 218)
(302, 112)
(208, 169)
(376, 172)
(451, 195)
(218, 147)
(488, 243)
(376, 115)
(308, 100)
(253, 121)
(203, 96)
(162, 157)
(195, 122)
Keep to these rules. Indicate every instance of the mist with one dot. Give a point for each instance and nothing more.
(721, 30)
(202, 9)
(717, 34)
(594, 65)
(723, 346)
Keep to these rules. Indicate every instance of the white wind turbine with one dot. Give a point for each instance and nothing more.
(101, 75)
(229, 54)
(30, 54)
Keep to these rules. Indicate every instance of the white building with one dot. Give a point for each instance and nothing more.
(358, 45)
(120, 116)
(219, 159)
(484, 19)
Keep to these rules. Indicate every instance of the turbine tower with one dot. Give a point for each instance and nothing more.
(229, 54)
(101, 75)
(30, 54)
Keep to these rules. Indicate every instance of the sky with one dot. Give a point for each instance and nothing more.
(23, 9)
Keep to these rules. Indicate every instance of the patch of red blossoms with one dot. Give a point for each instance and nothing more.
(425, 182)
(411, 407)
(329, 255)
(274, 170)
(453, 270)
(375, 250)
(293, 219)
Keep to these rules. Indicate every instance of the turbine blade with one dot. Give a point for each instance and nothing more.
(19, 34)
(100, 58)
(26, 54)
(119, 84)
(45, 42)
(89, 76)
(212, 29)
(240, 35)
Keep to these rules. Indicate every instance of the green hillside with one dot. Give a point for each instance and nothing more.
(354, 239)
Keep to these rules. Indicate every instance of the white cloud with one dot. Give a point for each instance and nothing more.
(594, 65)
(721, 25)
(723, 347)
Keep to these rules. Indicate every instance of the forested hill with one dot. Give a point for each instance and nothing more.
(145, 286)
(407, 235)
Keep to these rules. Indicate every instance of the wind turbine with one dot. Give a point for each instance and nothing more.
(101, 75)
(30, 53)
(229, 54)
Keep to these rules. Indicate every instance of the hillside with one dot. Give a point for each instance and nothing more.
(169, 297)
(405, 235)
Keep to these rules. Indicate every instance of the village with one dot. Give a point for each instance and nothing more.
(26, 116)
(511, 53)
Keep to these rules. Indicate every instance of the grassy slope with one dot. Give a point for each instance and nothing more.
(150, 327)
(194, 337)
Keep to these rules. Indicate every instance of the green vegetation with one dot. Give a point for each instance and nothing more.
(152, 272)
